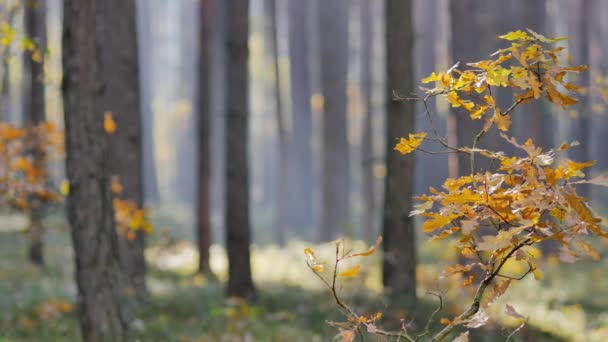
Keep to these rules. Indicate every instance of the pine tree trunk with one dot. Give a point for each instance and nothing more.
(281, 204)
(300, 155)
(335, 200)
(238, 227)
(399, 264)
(101, 302)
(120, 75)
(367, 139)
(207, 11)
(34, 114)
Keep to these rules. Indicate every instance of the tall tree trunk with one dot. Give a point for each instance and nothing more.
(34, 112)
(300, 156)
(399, 264)
(367, 139)
(335, 201)
(121, 97)
(579, 50)
(468, 17)
(207, 11)
(147, 75)
(90, 212)
(280, 197)
(238, 227)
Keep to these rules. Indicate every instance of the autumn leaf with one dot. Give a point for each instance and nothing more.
(370, 251)
(347, 335)
(464, 337)
(350, 272)
(515, 35)
(437, 221)
(503, 122)
(108, 123)
(406, 146)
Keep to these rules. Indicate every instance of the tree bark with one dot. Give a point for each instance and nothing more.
(238, 228)
(121, 96)
(34, 113)
(399, 264)
(101, 302)
(335, 201)
(207, 11)
(300, 156)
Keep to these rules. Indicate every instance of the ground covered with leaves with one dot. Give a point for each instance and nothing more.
(569, 303)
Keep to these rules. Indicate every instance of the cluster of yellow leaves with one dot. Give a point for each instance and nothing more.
(410, 144)
(24, 152)
(130, 218)
(529, 199)
(530, 67)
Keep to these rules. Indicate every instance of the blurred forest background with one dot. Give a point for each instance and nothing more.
(318, 103)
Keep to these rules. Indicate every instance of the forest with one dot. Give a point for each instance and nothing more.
(303, 170)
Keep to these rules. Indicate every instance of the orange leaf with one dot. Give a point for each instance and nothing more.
(108, 123)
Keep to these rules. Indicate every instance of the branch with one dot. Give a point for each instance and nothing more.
(474, 308)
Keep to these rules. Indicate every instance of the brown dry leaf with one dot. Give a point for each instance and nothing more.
(347, 335)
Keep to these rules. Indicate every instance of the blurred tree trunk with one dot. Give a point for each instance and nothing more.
(300, 155)
(238, 227)
(335, 201)
(367, 140)
(468, 18)
(280, 197)
(7, 13)
(581, 125)
(207, 11)
(431, 170)
(185, 146)
(121, 97)
(34, 111)
(399, 264)
(537, 122)
(101, 304)
(147, 79)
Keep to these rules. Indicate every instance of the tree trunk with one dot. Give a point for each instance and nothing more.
(238, 231)
(367, 139)
(147, 54)
(207, 11)
(34, 113)
(300, 156)
(335, 201)
(399, 264)
(98, 274)
(468, 18)
(581, 125)
(119, 62)
(280, 197)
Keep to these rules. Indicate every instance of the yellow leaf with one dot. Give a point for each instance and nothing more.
(318, 267)
(498, 76)
(370, 251)
(437, 221)
(108, 123)
(310, 255)
(516, 35)
(406, 146)
(64, 188)
(350, 272)
(503, 122)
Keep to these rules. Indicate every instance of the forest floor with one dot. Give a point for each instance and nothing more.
(569, 303)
